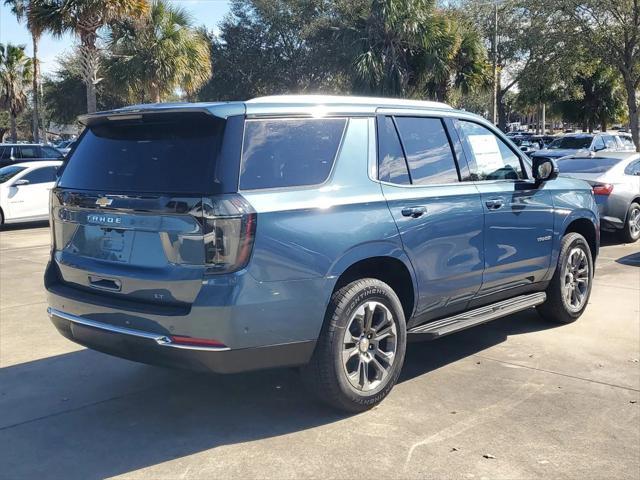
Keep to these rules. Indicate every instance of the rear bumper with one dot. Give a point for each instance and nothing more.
(158, 349)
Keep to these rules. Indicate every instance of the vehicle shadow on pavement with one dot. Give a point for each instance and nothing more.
(87, 415)
(632, 260)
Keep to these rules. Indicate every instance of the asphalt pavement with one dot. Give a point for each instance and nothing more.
(518, 398)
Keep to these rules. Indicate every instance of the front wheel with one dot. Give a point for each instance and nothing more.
(570, 288)
(631, 231)
(361, 348)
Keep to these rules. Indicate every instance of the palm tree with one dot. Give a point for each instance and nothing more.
(159, 54)
(20, 9)
(15, 74)
(83, 18)
(457, 61)
(403, 48)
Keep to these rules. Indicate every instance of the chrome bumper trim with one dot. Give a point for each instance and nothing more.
(161, 340)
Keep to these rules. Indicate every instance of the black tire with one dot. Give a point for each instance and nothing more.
(327, 376)
(558, 308)
(627, 234)
(1, 218)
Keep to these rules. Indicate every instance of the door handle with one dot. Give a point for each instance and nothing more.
(494, 203)
(414, 212)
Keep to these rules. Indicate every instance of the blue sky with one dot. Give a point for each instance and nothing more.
(207, 12)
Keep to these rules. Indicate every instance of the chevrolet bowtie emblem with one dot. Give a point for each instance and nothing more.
(104, 202)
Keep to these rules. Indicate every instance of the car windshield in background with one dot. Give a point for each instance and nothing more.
(570, 143)
(586, 165)
(177, 155)
(7, 173)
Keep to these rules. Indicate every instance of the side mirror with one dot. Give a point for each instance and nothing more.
(544, 169)
(22, 181)
(524, 149)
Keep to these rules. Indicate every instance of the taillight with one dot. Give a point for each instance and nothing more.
(602, 189)
(229, 230)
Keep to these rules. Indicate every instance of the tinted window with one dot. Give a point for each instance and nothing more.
(28, 152)
(598, 144)
(5, 153)
(610, 142)
(626, 141)
(8, 172)
(392, 166)
(289, 152)
(632, 169)
(586, 165)
(49, 152)
(493, 159)
(572, 143)
(41, 175)
(177, 155)
(428, 150)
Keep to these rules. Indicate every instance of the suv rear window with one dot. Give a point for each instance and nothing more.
(289, 152)
(172, 154)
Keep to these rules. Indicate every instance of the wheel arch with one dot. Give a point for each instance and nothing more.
(588, 229)
(390, 266)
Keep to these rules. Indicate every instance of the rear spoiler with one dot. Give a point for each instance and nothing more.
(220, 110)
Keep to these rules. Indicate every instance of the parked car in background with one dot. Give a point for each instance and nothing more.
(577, 143)
(615, 179)
(311, 231)
(543, 141)
(24, 190)
(526, 144)
(11, 153)
(65, 146)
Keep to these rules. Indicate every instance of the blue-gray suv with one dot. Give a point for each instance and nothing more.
(310, 231)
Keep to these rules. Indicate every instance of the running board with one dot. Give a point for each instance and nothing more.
(445, 326)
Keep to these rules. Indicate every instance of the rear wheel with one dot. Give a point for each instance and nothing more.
(570, 288)
(361, 348)
(631, 231)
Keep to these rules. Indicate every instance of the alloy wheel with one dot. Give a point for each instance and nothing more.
(575, 280)
(369, 346)
(634, 222)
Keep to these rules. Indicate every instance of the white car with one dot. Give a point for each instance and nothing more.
(24, 190)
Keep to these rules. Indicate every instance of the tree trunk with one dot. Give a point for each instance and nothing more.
(91, 97)
(603, 125)
(36, 92)
(502, 111)
(154, 91)
(632, 104)
(14, 128)
(90, 62)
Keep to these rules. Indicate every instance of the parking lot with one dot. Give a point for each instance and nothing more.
(516, 398)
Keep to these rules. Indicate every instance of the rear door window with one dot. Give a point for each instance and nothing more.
(50, 152)
(28, 152)
(173, 154)
(289, 152)
(41, 175)
(428, 150)
(610, 142)
(392, 166)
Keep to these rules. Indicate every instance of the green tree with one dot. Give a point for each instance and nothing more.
(15, 75)
(84, 18)
(159, 53)
(596, 97)
(21, 10)
(609, 29)
(276, 46)
(400, 48)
